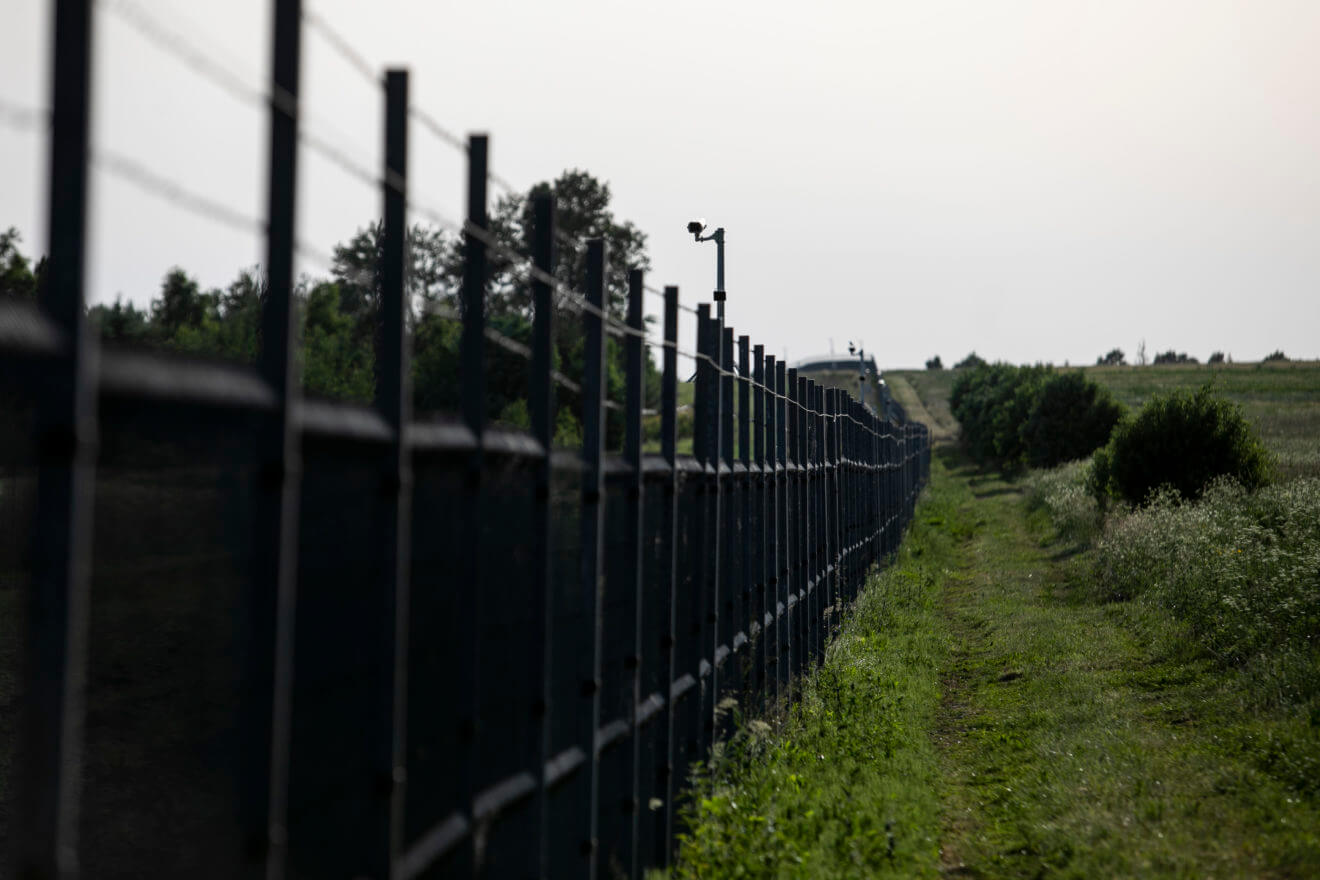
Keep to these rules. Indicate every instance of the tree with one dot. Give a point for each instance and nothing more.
(972, 361)
(1115, 358)
(1174, 357)
(180, 313)
(1215, 358)
(120, 322)
(935, 363)
(1141, 353)
(1275, 356)
(17, 279)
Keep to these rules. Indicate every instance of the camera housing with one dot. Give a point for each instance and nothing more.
(696, 226)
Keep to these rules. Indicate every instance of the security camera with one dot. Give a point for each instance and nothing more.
(696, 226)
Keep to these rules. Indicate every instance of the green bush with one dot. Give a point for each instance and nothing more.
(1071, 418)
(1181, 441)
(1018, 416)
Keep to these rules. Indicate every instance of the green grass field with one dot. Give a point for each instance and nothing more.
(996, 707)
(1281, 399)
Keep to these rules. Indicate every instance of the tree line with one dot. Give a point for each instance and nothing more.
(338, 314)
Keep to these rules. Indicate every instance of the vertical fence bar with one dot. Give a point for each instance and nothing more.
(746, 526)
(268, 672)
(50, 759)
(782, 539)
(592, 545)
(729, 610)
(669, 450)
(394, 403)
(832, 503)
(618, 798)
(762, 550)
(802, 424)
(818, 519)
(704, 446)
(540, 399)
(793, 521)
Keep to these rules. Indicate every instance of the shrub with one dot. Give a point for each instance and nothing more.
(935, 363)
(1182, 441)
(1071, 418)
(1275, 356)
(1174, 357)
(1016, 416)
(1062, 493)
(1215, 358)
(972, 361)
(1115, 358)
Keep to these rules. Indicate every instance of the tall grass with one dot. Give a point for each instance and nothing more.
(1063, 495)
(1242, 568)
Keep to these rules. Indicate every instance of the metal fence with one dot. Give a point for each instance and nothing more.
(366, 645)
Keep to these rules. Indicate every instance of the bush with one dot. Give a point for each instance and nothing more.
(1071, 418)
(1181, 441)
(972, 361)
(1275, 356)
(1215, 358)
(1017, 416)
(1115, 358)
(935, 363)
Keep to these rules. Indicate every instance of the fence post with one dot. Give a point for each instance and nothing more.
(728, 579)
(591, 544)
(763, 553)
(705, 446)
(818, 518)
(394, 403)
(46, 827)
(832, 504)
(540, 408)
(782, 533)
(268, 672)
(669, 450)
(618, 786)
(746, 525)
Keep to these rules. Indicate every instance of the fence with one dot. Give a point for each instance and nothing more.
(373, 646)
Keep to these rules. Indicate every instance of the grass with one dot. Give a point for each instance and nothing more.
(1281, 399)
(988, 713)
(845, 783)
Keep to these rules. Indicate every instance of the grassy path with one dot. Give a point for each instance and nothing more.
(979, 717)
(1077, 738)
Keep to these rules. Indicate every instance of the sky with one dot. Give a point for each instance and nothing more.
(1035, 180)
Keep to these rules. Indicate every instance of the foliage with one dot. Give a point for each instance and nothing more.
(1016, 416)
(1070, 418)
(1115, 358)
(935, 363)
(1174, 357)
(1181, 440)
(17, 278)
(1063, 494)
(1216, 357)
(1275, 356)
(340, 314)
(971, 361)
(1241, 568)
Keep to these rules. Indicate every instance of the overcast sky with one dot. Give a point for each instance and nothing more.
(1038, 180)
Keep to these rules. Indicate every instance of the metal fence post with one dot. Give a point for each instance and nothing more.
(746, 526)
(592, 547)
(763, 554)
(394, 403)
(782, 532)
(271, 590)
(728, 579)
(668, 449)
(46, 832)
(540, 399)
